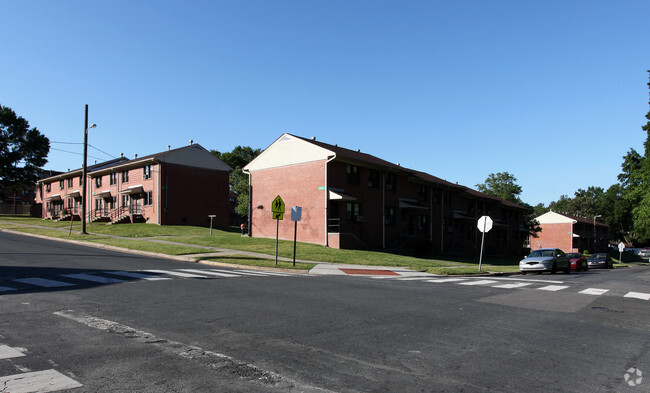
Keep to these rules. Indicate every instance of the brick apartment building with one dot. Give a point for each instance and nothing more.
(351, 199)
(175, 187)
(570, 233)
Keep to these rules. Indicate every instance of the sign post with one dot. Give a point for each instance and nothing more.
(277, 208)
(211, 217)
(621, 248)
(296, 214)
(484, 225)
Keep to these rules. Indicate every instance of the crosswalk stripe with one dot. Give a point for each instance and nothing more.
(513, 285)
(553, 288)
(594, 291)
(238, 272)
(90, 277)
(478, 282)
(446, 280)
(39, 381)
(5, 289)
(638, 295)
(211, 273)
(43, 282)
(174, 273)
(7, 352)
(139, 276)
(419, 278)
(263, 273)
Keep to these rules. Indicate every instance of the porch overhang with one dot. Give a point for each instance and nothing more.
(133, 190)
(52, 198)
(74, 194)
(411, 205)
(103, 194)
(339, 196)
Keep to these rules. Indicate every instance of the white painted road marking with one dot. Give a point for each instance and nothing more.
(262, 273)
(9, 352)
(553, 288)
(447, 280)
(594, 291)
(43, 282)
(210, 272)
(238, 272)
(638, 295)
(478, 282)
(513, 285)
(90, 277)
(139, 276)
(39, 381)
(173, 273)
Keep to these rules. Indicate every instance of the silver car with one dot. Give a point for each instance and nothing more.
(545, 260)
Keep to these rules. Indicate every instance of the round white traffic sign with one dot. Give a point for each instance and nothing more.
(484, 224)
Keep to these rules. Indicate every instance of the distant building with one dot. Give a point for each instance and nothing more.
(351, 199)
(570, 233)
(181, 187)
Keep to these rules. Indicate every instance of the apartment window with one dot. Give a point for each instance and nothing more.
(98, 182)
(112, 202)
(391, 183)
(373, 178)
(389, 212)
(148, 198)
(354, 212)
(146, 172)
(70, 203)
(125, 200)
(113, 179)
(422, 192)
(61, 183)
(125, 176)
(353, 175)
(81, 180)
(98, 204)
(48, 187)
(71, 182)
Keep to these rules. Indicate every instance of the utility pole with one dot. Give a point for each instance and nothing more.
(84, 173)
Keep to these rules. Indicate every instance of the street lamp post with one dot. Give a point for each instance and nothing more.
(595, 217)
(84, 173)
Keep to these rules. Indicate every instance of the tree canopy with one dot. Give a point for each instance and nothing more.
(22, 151)
(502, 185)
(237, 159)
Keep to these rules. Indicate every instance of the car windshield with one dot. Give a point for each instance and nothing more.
(573, 255)
(541, 253)
(598, 256)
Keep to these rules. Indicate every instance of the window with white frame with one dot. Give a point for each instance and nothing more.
(146, 172)
(125, 176)
(98, 182)
(148, 198)
(113, 178)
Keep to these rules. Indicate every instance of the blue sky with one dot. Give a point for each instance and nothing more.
(553, 92)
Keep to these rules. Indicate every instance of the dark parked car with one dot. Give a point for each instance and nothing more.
(600, 260)
(578, 261)
(545, 260)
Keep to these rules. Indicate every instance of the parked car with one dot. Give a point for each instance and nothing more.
(545, 260)
(644, 252)
(600, 260)
(578, 261)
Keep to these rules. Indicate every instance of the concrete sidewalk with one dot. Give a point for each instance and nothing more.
(320, 268)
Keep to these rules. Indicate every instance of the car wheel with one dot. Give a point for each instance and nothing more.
(554, 269)
(611, 265)
(523, 273)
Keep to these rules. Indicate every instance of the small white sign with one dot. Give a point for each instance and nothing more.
(621, 246)
(296, 213)
(484, 224)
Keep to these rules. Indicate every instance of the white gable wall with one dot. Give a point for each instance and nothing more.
(554, 218)
(288, 150)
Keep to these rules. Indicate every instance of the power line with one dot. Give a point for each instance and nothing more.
(72, 152)
(110, 155)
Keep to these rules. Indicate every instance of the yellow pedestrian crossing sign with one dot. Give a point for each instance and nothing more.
(277, 206)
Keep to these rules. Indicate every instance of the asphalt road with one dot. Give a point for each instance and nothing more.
(119, 322)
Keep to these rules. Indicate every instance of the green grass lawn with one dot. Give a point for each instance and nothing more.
(231, 239)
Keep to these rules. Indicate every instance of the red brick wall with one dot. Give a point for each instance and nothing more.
(553, 236)
(297, 185)
(190, 194)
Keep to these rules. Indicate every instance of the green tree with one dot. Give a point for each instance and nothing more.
(502, 185)
(22, 151)
(237, 159)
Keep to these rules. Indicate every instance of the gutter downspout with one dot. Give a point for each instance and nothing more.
(250, 202)
(327, 200)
